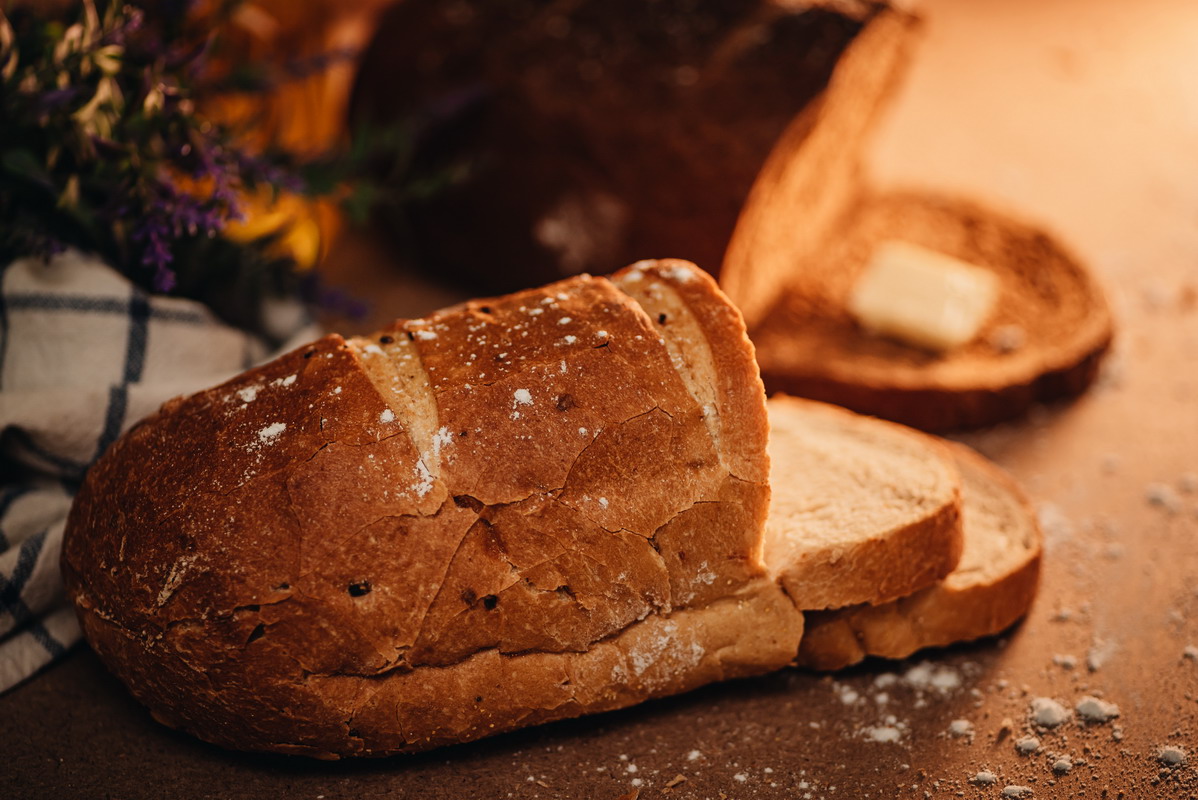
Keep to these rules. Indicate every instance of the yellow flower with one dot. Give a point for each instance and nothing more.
(303, 228)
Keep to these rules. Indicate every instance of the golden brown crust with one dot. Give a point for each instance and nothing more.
(1054, 312)
(303, 560)
(963, 607)
(813, 169)
(912, 543)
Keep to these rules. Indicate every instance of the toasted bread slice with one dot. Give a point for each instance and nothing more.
(991, 588)
(862, 510)
(1044, 341)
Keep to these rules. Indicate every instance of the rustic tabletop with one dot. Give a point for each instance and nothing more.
(1080, 114)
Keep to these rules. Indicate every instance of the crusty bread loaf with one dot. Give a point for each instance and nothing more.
(992, 587)
(513, 511)
(631, 129)
(1045, 339)
(863, 510)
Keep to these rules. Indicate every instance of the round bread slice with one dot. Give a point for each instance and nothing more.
(992, 587)
(862, 510)
(1050, 328)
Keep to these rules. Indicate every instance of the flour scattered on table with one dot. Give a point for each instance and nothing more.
(1163, 497)
(1027, 745)
(960, 728)
(884, 733)
(1100, 651)
(1065, 661)
(1171, 756)
(1093, 710)
(1048, 713)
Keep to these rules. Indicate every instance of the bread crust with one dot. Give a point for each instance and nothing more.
(960, 608)
(337, 552)
(809, 345)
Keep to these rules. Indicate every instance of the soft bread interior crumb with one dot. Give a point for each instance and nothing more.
(837, 481)
(862, 511)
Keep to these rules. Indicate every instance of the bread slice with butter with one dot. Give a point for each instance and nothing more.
(991, 588)
(1048, 330)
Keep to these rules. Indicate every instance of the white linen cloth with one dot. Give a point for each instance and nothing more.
(84, 355)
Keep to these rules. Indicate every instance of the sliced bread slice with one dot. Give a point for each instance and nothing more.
(862, 510)
(991, 588)
(1045, 339)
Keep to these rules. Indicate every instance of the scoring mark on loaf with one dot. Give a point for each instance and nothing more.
(690, 352)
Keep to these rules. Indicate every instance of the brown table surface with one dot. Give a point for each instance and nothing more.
(1082, 114)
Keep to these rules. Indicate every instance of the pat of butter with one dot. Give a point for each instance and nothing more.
(922, 297)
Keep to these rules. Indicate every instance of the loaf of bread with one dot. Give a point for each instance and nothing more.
(513, 511)
(632, 129)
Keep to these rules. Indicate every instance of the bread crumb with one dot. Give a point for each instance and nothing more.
(984, 778)
(740, 777)
(565, 320)
(677, 780)
(637, 782)
(1091, 709)
(570, 339)
(387, 416)
(631, 768)
(1027, 745)
(1048, 713)
(426, 336)
(1171, 756)
(603, 502)
(1016, 791)
(249, 394)
(693, 755)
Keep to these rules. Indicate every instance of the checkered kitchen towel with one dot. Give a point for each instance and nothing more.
(83, 356)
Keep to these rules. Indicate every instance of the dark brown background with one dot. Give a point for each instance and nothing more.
(1082, 114)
